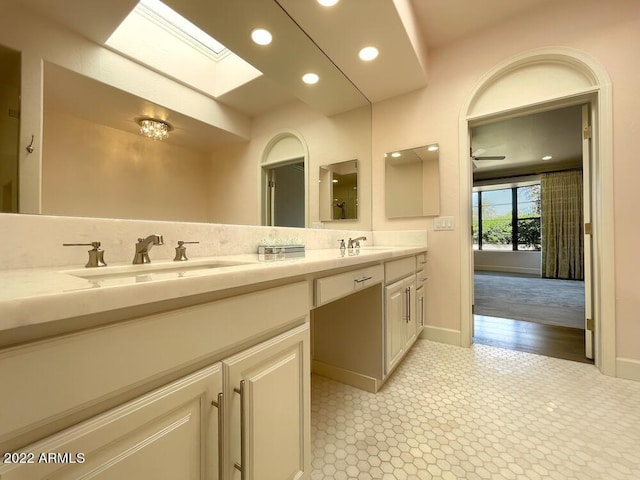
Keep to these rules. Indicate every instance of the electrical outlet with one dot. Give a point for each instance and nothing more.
(443, 223)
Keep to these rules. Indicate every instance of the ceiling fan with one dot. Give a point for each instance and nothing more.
(489, 157)
(477, 155)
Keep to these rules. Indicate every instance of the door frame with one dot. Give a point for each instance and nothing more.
(585, 81)
(274, 156)
(269, 170)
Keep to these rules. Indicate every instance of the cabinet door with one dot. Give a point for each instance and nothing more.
(268, 421)
(394, 324)
(169, 433)
(411, 318)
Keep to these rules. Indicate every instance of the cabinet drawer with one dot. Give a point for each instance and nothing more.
(51, 379)
(337, 286)
(398, 269)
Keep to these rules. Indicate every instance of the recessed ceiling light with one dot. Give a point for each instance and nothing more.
(327, 3)
(547, 157)
(334, 180)
(396, 154)
(368, 53)
(310, 78)
(433, 148)
(261, 36)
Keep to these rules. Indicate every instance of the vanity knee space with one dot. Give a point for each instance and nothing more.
(361, 334)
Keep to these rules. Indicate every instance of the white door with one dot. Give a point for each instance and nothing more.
(268, 403)
(285, 195)
(394, 324)
(167, 434)
(586, 176)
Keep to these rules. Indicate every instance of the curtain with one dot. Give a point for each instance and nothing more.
(562, 225)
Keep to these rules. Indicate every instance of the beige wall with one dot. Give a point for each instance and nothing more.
(609, 32)
(92, 170)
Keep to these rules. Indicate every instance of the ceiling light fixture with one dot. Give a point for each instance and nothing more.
(261, 36)
(396, 154)
(154, 129)
(433, 148)
(327, 3)
(547, 157)
(368, 53)
(310, 78)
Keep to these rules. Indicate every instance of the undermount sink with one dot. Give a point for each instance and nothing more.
(147, 272)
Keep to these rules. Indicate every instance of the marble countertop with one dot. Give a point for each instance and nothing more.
(38, 295)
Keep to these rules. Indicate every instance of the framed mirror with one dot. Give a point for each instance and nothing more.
(412, 182)
(338, 183)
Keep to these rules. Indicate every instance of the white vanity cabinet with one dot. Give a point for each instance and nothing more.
(401, 318)
(183, 428)
(366, 320)
(266, 390)
(169, 433)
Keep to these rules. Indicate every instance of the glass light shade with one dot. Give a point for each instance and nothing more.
(154, 129)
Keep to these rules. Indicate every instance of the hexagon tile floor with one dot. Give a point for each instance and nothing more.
(480, 413)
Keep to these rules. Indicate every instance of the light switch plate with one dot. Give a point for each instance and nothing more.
(443, 223)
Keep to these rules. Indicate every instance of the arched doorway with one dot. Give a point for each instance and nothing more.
(284, 181)
(535, 81)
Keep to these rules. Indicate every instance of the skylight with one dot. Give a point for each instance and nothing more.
(177, 24)
(157, 37)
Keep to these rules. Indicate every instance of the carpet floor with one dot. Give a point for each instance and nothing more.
(533, 299)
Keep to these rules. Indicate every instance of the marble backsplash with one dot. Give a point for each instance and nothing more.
(30, 241)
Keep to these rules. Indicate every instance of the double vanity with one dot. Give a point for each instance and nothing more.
(201, 366)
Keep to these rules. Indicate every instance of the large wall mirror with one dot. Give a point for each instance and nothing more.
(412, 182)
(338, 183)
(84, 97)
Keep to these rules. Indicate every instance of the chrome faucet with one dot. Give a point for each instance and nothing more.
(355, 242)
(143, 246)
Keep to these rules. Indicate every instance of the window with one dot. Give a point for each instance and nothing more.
(507, 218)
(180, 26)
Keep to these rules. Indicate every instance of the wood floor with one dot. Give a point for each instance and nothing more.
(549, 340)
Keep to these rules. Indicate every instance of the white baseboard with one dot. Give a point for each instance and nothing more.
(502, 269)
(628, 368)
(342, 375)
(442, 335)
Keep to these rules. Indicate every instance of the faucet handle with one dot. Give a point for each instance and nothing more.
(96, 254)
(181, 251)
